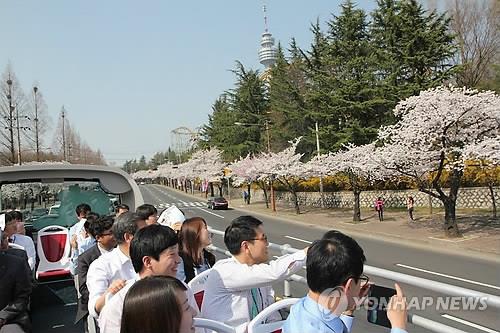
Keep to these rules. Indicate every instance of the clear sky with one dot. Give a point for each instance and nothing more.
(128, 72)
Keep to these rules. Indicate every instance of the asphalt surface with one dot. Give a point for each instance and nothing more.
(392, 254)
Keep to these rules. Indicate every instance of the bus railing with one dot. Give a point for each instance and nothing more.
(443, 288)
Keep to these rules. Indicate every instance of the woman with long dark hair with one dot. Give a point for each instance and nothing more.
(193, 240)
(157, 304)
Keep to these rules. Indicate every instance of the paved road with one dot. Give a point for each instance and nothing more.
(463, 271)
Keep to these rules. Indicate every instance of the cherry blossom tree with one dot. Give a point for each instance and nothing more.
(437, 131)
(357, 163)
(247, 171)
(286, 168)
(485, 159)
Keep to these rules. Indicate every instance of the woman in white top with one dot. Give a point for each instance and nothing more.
(193, 239)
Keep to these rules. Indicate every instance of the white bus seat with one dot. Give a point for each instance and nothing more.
(53, 249)
(213, 325)
(197, 286)
(259, 325)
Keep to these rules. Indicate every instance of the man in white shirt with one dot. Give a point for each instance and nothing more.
(153, 251)
(108, 273)
(148, 212)
(12, 218)
(79, 239)
(238, 288)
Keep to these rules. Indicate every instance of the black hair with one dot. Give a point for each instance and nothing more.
(122, 206)
(241, 229)
(99, 226)
(146, 210)
(16, 215)
(82, 209)
(126, 223)
(91, 217)
(151, 241)
(9, 216)
(332, 260)
(151, 306)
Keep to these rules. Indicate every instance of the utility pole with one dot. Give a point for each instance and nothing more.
(320, 177)
(271, 179)
(19, 161)
(37, 139)
(63, 134)
(11, 119)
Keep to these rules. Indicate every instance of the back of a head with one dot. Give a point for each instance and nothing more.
(97, 227)
(82, 210)
(150, 241)
(189, 237)
(146, 210)
(122, 207)
(332, 260)
(241, 229)
(16, 215)
(125, 223)
(151, 306)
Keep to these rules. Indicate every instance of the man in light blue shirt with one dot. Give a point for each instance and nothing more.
(336, 282)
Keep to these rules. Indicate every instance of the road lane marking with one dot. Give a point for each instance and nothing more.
(468, 323)
(206, 211)
(448, 276)
(298, 239)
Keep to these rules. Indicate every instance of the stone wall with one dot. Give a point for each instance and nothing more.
(471, 197)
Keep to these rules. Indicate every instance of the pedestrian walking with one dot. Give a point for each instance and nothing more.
(379, 207)
(409, 205)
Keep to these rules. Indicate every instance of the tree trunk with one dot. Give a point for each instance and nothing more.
(211, 189)
(220, 190)
(262, 185)
(493, 200)
(450, 220)
(295, 201)
(249, 196)
(356, 217)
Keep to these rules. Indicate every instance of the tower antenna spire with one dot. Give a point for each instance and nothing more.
(264, 9)
(267, 52)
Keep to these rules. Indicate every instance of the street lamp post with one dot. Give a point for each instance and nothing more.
(320, 177)
(11, 119)
(271, 178)
(37, 141)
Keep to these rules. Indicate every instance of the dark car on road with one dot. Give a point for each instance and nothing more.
(217, 203)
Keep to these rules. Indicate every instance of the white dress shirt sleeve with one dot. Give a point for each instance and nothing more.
(260, 275)
(30, 251)
(97, 283)
(110, 317)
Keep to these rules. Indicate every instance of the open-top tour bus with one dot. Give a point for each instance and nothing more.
(47, 195)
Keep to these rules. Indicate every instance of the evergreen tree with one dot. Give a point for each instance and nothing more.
(289, 115)
(221, 132)
(249, 101)
(413, 47)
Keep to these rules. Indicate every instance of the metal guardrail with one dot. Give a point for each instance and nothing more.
(443, 288)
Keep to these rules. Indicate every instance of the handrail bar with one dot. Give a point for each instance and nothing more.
(440, 287)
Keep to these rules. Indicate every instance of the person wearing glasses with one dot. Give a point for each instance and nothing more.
(100, 230)
(336, 285)
(238, 288)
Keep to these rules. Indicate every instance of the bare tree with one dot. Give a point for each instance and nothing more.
(12, 117)
(40, 122)
(476, 24)
(61, 135)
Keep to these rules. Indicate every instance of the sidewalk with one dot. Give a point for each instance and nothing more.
(481, 234)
